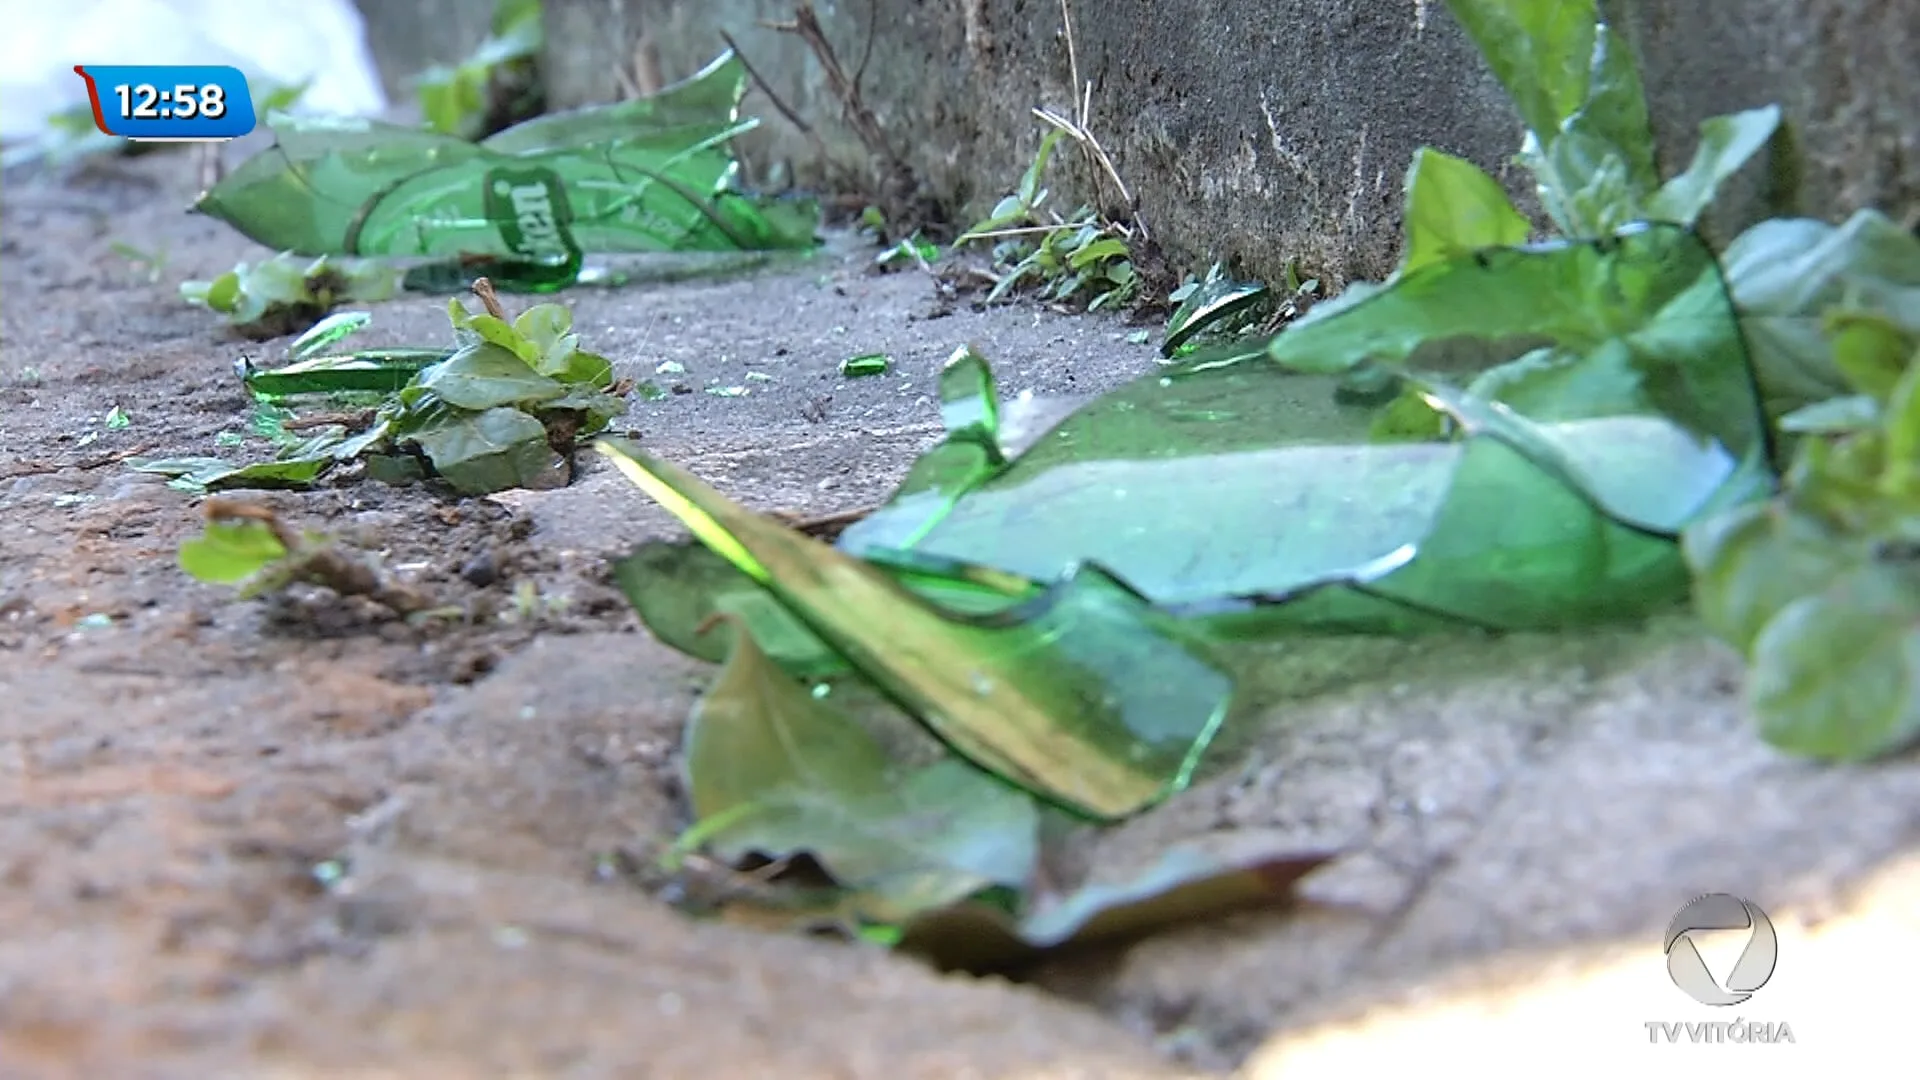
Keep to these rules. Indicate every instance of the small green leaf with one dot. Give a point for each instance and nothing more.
(222, 295)
(545, 326)
(1031, 193)
(1871, 350)
(487, 376)
(450, 97)
(1786, 274)
(1218, 304)
(1834, 416)
(484, 452)
(1453, 208)
(1029, 268)
(1615, 110)
(1540, 50)
(394, 470)
(1726, 143)
(230, 552)
(595, 409)
(1842, 483)
(677, 586)
(489, 330)
(270, 98)
(756, 732)
(195, 470)
(580, 367)
(1751, 562)
(1584, 182)
(1190, 881)
(1836, 674)
(1901, 480)
(1104, 248)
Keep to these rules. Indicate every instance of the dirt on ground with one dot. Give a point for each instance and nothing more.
(299, 837)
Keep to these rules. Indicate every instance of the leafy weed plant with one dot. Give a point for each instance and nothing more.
(1816, 577)
(1079, 257)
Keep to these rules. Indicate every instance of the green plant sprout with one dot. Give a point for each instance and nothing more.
(503, 408)
(1080, 257)
(288, 293)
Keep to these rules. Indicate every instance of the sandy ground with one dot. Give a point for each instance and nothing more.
(1521, 816)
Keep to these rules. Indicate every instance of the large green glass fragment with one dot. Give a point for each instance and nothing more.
(1083, 694)
(654, 174)
(1565, 410)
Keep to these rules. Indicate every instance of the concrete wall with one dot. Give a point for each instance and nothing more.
(408, 37)
(1845, 71)
(1267, 130)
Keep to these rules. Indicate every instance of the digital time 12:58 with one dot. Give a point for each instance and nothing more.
(185, 101)
(170, 102)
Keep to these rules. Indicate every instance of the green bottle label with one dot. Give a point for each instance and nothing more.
(529, 207)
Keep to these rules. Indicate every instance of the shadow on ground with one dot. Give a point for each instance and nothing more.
(295, 838)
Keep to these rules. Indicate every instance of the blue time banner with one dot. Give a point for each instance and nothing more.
(172, 102)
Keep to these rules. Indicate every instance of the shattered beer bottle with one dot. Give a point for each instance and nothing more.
(528, 208)
(524, 207)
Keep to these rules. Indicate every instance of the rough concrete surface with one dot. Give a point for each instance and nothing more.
(1262, 131)
(1520, 816)
(405, 39)
(1841, 69)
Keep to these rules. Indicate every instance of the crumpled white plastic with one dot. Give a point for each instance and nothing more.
(281, 41)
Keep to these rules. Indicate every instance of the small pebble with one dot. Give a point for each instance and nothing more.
(480, 571)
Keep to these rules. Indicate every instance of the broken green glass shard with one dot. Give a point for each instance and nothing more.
(372, 371)
(1565, 411)
(1084, 694)
(327, 333)
(771, 770)
(655, 174)
(1192, 880)
(678, 586)
(1216, 304)
(201, 474)
(866, 364)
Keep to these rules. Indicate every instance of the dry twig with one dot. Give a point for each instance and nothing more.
(98, 461)
(1080, 130)
(357, 419)
(822, 526)
(483, 288)
(900, 194)
(787, 111)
